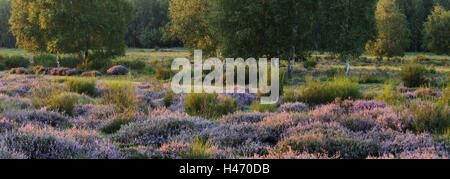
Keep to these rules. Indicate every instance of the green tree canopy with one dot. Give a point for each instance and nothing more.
(437, 31)
(189, 23)
(71, 26)
(6, 38)
(345, 26)
(393, 32)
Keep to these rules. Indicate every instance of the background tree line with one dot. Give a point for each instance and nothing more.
(286, 28)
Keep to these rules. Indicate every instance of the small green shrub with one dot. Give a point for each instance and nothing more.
(82, 85)
(316, 92)
(291, 95)
(99, 61)
(168, 100)
(162, 69)
(209, 105)
(45, 60)
(199, 149)
(64, 102)
(121, 95)
(389, 95)
(114, 126)
(311, 63)
(258, 107)
(131, 63)
(414, 75)
(17, 61)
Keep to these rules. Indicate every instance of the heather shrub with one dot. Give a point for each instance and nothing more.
(45, 60)
(429, 117)
(328, 138)
(294, 107)
(414, 75)
(355, 124)
(327, 113)
(158, 130)
(36, 117)
(278, 124)
(236, 136)
(241, 117)
(82, 85)
(16, 62)
(131, 63)
(120, 94)
(209, 105)
(346, 148)
(46, 143)
(315, 92)
(258, 107)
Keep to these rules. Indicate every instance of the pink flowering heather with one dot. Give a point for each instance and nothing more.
(327, 113)
(294, 107)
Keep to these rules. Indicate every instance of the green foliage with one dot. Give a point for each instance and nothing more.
(393, 32)
(120, 94)
(430, 117)
(82, 85)
(317, 92)
(189, 23)
(162, 69)
(45, 60)
(74, 27)
(64, 102)
(436, 36)
(114, 126)
(131, 63)
(209, 105)
(6, 38)
(16, 61)
(199, 149)
(311, 63)
(389, 95)
(256, 106)
(99, 61)
(279, 28)
(345, 26)
(414, 75)
(168, 99)
(69, 61)
(145, 31)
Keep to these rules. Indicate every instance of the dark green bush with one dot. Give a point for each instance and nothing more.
(414, 75)
(209, 105)
(317, 92)
(311, 63)
(69, 61)
(114, 126)
(131, 63)
(45, 60)
(16, 61)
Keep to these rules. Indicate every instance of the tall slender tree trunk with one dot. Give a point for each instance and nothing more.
(58, 60)
(347, 70)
